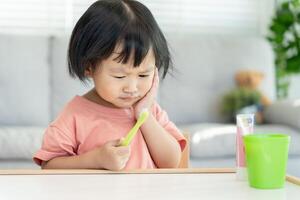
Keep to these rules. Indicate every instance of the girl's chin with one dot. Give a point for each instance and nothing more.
(125, 104)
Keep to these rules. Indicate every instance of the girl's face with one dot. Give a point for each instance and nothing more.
(122, 85)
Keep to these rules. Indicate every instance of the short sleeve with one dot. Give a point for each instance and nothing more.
(163, 119)
(56, 143)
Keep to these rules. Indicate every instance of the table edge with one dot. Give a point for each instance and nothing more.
(95, 171)
(289, 178)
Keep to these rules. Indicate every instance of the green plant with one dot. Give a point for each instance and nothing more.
(237, 99)
(285, 39)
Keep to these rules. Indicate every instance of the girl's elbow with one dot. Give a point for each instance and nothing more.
(173, 162)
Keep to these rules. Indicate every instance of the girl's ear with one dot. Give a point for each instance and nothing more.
(88, 72)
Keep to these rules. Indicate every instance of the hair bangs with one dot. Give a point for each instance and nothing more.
(135, 44)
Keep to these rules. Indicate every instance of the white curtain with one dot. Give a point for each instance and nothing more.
(199, 16)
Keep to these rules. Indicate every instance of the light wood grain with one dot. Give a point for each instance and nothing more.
(293, 179)
(289, 178)
(142, 171)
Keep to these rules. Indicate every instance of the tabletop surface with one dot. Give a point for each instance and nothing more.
(144, 184)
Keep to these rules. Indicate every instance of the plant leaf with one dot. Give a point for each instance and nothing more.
(293, 64)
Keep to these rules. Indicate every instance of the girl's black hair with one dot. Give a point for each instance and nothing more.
(107, 23)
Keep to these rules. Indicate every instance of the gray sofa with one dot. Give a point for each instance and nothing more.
(34, 86)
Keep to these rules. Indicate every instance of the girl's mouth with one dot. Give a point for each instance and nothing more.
(128, 98)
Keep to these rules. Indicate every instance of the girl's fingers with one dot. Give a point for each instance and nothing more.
(124, 159)
(154, 86)
(156, 80)
(123, 150)
(147, 100)
(114, 142)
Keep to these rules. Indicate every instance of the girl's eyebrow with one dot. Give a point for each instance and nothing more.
(121, 69)
(117, 69)
(149, 69)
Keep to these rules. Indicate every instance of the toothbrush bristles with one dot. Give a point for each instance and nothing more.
(143, 110)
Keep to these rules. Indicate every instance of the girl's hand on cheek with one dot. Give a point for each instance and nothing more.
(148, 100)
(111, 156)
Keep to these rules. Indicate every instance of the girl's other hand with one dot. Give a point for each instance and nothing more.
(148, 100)
(111, 156)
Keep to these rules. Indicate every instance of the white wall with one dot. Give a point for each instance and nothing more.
(294, 90)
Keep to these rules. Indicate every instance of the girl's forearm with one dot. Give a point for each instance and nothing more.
(70, 162)
(163, 148)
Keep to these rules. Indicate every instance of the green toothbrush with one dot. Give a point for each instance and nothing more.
(142, 118)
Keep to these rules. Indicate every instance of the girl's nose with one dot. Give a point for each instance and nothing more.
(131, 87)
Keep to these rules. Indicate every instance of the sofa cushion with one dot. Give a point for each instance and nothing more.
(205, 68)
(286, 112)
(20, 142)
(219, 140)
(63, 87)
(18, 164)
(24, 80)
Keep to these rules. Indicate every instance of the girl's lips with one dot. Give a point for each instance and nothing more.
(128, 98)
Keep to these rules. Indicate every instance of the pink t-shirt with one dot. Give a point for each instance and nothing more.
(84, 125)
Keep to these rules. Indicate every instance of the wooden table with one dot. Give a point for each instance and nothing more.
(211, 183)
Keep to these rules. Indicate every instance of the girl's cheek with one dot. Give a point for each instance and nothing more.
(118, 88)
(147, 86)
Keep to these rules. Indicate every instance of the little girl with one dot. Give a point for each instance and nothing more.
(118, 45)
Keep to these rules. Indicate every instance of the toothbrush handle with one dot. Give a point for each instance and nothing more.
(131, 133)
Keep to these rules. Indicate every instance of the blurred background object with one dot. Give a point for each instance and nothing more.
(285, 39)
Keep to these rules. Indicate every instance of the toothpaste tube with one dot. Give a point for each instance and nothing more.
(245, 124)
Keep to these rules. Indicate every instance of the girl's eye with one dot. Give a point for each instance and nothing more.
(119, 77)
(143, 76)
